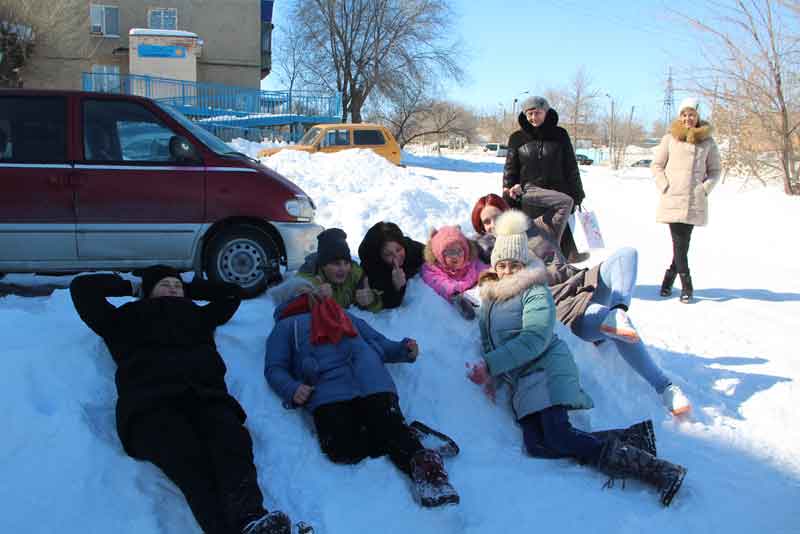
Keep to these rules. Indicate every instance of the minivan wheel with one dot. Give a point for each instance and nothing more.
(243, 255)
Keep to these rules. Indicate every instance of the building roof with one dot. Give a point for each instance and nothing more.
(170, 33)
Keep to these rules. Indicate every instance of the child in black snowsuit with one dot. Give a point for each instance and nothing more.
(174, 408)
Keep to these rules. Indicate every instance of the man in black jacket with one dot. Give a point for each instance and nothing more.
(541, 174)
(173, 406)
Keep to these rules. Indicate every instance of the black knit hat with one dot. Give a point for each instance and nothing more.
(332, 246)
(153, 275)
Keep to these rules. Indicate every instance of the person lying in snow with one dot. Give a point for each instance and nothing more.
(452, 267)
(331, 363)
(592, 302)
(174, 409)
(390, 259)
(516, 321)
(334, 273)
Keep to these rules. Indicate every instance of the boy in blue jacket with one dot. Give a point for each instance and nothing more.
(331, 363)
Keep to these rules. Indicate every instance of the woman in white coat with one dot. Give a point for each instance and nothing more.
(686, 168)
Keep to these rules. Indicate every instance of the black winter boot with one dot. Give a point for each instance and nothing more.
(619, 460)
(431, 485)
(687, 291)
(666, 284)
(272, 523)
(434, 440)
(640, 435)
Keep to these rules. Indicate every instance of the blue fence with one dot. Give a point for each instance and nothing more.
(218, 106)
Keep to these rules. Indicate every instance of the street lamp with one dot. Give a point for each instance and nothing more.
(516, 99)
(611, 133)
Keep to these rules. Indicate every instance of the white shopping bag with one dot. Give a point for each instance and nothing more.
(586, 230)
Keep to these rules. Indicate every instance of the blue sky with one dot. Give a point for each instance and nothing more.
(516, 46)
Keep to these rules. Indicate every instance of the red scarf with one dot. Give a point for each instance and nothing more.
(329, 322)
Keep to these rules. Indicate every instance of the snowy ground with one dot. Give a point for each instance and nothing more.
(733, 351)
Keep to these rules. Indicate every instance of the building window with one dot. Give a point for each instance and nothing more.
(104, 20)
(106, 78)
(163, 18)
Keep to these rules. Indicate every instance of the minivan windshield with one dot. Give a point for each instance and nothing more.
(309, 137)
(207, 138)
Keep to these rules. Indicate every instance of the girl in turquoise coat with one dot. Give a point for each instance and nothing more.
(517, 318)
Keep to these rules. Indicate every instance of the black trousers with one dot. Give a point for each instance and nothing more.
(681, 237)
(373, 426)
(202, 446)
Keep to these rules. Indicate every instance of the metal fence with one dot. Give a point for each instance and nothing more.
(224, 104)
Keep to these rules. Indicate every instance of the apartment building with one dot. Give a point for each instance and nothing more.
(233, 37)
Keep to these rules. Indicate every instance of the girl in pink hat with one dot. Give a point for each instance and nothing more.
(452, 267)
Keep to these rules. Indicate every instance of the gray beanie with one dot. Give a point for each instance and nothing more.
(537, 102)
(511, 242)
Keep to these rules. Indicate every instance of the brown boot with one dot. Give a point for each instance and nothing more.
(619, 460)
(431, 486)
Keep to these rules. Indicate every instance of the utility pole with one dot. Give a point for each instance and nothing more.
(669, 100)
(611, 131)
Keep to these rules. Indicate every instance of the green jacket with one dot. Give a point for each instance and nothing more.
(345, 293)
(517, 318)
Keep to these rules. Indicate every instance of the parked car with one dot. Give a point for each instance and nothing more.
(92, 181)
(583, 160)
(642, 163)
(336, 137)
(496, 148)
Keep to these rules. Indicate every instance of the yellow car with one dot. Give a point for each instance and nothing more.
(336, 137)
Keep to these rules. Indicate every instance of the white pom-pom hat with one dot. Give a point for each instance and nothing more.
(689, 102)
(511, 243)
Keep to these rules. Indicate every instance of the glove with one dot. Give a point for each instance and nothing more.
(478, 372)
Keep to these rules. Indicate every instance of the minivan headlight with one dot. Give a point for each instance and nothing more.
(301, 208)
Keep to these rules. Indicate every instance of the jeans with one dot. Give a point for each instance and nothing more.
(617, 280)
(549, 434)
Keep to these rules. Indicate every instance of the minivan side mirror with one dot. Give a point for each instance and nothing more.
(182, 150)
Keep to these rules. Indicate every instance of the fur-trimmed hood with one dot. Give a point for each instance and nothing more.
(493, 288)
(693, 136)
(430, 257)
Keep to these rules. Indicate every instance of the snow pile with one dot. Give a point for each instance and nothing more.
(252, 148)
(733, 352)
(354, 189)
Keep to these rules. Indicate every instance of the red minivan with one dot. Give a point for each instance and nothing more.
(95, 181)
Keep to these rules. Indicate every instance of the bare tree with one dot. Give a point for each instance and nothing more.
(290, 58)
(578, 102)
(753, 65)
(412, 115)
(658, 128)
(28, 25)
(17, 41)
(358, 47)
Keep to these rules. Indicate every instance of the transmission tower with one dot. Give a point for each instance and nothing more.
(669, 101)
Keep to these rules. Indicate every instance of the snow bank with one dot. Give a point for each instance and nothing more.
(733, 352)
